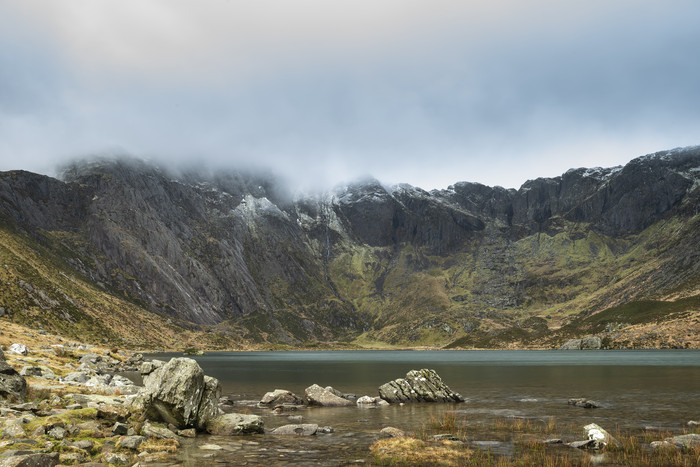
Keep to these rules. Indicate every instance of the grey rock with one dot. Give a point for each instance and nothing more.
(586, 444)
(235, 424)
(304, 429)
(188, 433)
(30, 371)
(38, 459)
(76, 377)
(597, 433)
(392, 432)
(120, 429)
(281, 396)
(12, 384)
(131, 442)
(146, 368)
(320, 396)
(57, 432)
(571, 344)
(152, 431)
(583, 402)
(688, 441)
(419, 386)
(179, 393)
(116, 458)
(591, 343)
(13, 429)
(19, 349)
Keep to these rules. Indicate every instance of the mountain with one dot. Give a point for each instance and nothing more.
(233, 257)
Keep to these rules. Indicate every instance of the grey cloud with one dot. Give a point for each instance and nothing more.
(478, 94)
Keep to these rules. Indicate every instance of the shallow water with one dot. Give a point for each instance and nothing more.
(636, 389)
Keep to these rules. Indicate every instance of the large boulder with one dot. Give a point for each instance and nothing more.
(418, 386)
(321, 396)
(235, 424)
(12, 384)
(179, 393)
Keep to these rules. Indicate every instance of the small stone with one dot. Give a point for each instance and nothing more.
(57, 432)
(188, 433)
(326, 430)
(84, 444)
(120, 429)
(305, 429)
(116, 458)
(131, 442)
(154, 431)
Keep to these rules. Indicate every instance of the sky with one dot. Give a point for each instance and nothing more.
(423, 92)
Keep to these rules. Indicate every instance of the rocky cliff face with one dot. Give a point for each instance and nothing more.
(393, 264)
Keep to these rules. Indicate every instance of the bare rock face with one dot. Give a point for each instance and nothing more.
(179, 393)
(320, 396)
(418, 386)
(12, 384)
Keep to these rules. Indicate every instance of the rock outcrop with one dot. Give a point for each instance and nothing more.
(418, 386)
(179, 393)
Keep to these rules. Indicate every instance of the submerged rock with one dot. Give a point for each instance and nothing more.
(583, 402)
(419, 386)
(302, 429)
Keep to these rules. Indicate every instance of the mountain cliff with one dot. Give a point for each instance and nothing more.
(610, 252)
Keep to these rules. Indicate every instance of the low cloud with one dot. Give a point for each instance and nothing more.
(427, 93)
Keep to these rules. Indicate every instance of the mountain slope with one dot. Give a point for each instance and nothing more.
(471, 265)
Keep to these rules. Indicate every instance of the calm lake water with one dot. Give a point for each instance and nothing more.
(636, 389)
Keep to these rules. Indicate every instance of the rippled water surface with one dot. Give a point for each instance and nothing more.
(636, 389)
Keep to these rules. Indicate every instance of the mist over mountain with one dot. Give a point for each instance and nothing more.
(595, 251)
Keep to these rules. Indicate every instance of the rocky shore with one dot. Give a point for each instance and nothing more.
(66, 403)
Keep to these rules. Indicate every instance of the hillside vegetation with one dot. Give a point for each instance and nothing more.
(121, 252)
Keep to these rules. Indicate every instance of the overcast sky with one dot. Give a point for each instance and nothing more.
(423, 92)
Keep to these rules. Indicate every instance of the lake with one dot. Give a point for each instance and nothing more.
(656, 389)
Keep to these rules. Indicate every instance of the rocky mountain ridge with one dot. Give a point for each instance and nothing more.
(473, 265)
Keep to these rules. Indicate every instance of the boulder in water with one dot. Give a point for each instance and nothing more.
(280, 397)
(235, 424)
(419, 386)
(320, 396)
